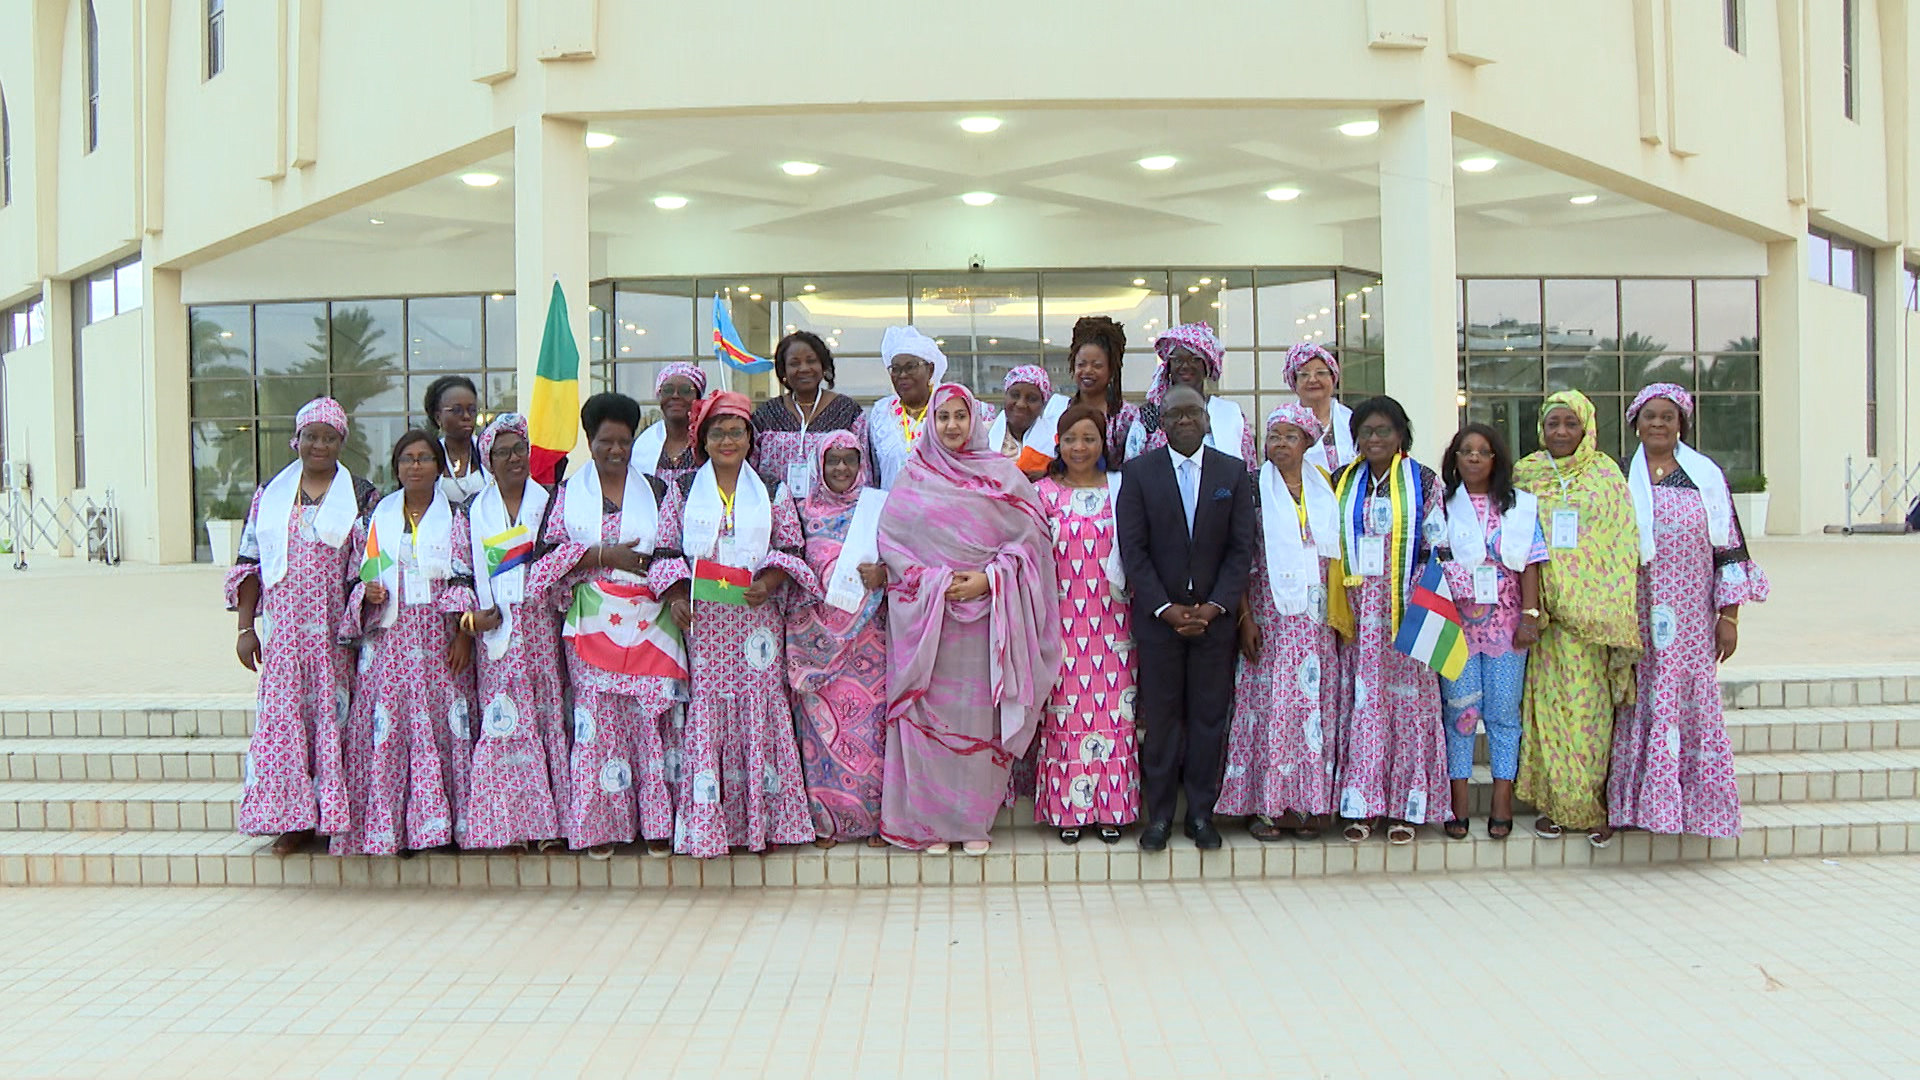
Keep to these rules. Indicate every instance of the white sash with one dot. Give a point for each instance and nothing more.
(1467, 537)
(639, 513)
(489, 516)
(331, 523)
(646, 448)
(1115, 566)
(1339, 419)
(845, 590)
(1042, 437)
(1705, 475)
(428, 552)
(1227, 425)
(752, 520)
(1292, 567)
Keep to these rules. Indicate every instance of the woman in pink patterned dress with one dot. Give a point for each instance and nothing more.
(624, 695)
(408, 736)
(293, 554)
(1391, 763)
(1191, 355)
(1089, 766)
(742, 783)
(1672, 760)
(519, 780)
(837, 647)
(665, 448)
(788, 428)
(1286, 698)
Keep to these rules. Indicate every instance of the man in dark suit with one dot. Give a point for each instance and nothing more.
(1186, 530)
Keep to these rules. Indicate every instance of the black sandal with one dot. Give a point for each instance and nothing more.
(1265, 831)
(1109, 834)
(1069, 836)
(1499, 828)
(1456, 829)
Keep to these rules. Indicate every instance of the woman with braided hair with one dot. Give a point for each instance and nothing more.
(1098, 343)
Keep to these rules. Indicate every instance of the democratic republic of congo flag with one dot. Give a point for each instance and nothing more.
(726, 342)
(553, 409)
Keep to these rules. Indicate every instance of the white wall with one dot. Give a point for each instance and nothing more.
(115, 403)
(30, 411)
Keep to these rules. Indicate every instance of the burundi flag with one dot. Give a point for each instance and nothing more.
(1430, 630)
(508, 549)
(720, 583)
(553, 411)
(375, 561)
(726, 342)
(619, 626)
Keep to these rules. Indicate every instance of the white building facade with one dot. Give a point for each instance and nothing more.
(213, 210)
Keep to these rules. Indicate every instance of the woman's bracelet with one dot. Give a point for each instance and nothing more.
(1734, 619)
(247, 629)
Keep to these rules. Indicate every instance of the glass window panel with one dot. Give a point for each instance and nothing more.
(1517, 419)
(1730, 371)
(655, 319)
(374, 393)
(444, 332)
(1819, 258)
(290, 339)
(1588, 373)
(502, 328)
(990, 374)
(1503, 315)
(1643, 370)
(635, 381)
(599, 321)
(1612, 425)
(1360, 300)
(754, 319)
(273, 436)
(1580, 314)
(854, 311)
(1362, 375)
(100, 296)
(369, 449)
(1729, 433)
(502, 395)
(1237, 373)
(1656, 316)
(1221, 299)
(284, 396)
(979, 313)
(222, 340)
(222, 397)
(1070, 296)
(223, 468)
(414, 403)
(367, 339)
(1844, 271)
(1729, 316)
(1291, 304)
(127, 286)
(1505, 372)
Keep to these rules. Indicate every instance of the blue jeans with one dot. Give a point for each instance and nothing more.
(1488, 691)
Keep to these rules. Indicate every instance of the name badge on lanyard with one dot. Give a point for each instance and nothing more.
(1566, 528)
(1486, 584)
(415, 589)
(1373, 556)
(800, 479)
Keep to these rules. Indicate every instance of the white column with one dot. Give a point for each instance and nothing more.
(549, 236)
(169, 445)
(1795, 467)
(1417, 269)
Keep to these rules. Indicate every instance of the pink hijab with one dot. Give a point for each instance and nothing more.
(989, 518)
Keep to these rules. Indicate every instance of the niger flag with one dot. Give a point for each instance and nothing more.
(553, 409)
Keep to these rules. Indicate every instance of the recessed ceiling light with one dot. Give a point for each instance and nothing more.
(1283, 194)
(499, 296)
(1139, 281)
(1206, 281)
(641, 331)
(600, 140)
(669, 202)
(1325, 311)
(789, 328)
(1158, 162)
(479, 179)
(742, 288)
(977, 198)
(376, 221)
(1046, 341)
(836, 331)
(753, 296)
(1583, 200)
(993, 341)
(226, 333)
(799, 168)
(809, 288)
(1193, 288)
(1359, 129)
(980, 125)
(1477, 164)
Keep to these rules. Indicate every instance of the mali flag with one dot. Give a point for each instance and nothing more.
(720, 583)
(553, 409)
(375, 561)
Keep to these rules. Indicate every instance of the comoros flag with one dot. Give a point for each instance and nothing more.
(507, 550)
(1430, 629)
(620, 626)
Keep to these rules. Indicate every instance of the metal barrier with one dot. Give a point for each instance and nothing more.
(62, 526)
(1878, 496)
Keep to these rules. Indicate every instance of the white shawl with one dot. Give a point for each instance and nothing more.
(1340, 421)
(646, 448)
(1468, 539)
(1705, 475)
(845, 590)
(429, 550)
(752, 519)
(509, 589)
(331, 523)
(639, 513)
(1292, 567)
(1042, 437)
(1227, 423)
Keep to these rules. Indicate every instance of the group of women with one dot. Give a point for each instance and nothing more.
(745, 627)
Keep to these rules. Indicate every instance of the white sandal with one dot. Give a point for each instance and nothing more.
(975, 847)
(940, 848)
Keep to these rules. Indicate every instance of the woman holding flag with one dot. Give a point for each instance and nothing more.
(518, 791)
(408, 737)
(626, 660)
(740, 563)
(1392, 758)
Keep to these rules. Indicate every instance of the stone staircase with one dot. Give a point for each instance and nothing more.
(131, 792)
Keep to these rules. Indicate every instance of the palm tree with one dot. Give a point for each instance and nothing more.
(349, 351)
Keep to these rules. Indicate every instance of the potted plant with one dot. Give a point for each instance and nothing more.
(1750, 502)
(226, 516)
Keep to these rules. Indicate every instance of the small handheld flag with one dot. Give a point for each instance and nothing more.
(508, 549)
(1430, 629)
(726, 342)
(720, 583)
(375, 561)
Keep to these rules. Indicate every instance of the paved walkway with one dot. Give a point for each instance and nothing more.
(1695, 970)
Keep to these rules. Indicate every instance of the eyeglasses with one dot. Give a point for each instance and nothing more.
(1377, 431)
(510, 453)
(907, 367)
(685, 390)
(731, 434)
(419, 459)
(1473, 455)
(468, 411)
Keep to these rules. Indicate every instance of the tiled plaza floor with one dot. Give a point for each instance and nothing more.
(1790, 968)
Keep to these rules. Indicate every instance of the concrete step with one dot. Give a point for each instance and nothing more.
(134, 806)
(1851, 727)
(1791, 777)
(70, 719)
(1875, 684)
(124, 758)
(1020, 856)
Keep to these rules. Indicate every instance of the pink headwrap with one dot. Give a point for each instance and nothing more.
(506, 422)
(689, 372)
(718, 403)
(1297, 358)
(1028, 373)
(1197, 338)
(823, 500)
(323, 410)
(1671, 392)
(1299, 416)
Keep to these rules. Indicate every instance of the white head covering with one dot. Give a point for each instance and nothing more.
(907, 341)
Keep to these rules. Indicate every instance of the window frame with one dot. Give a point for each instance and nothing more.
(1849, 59)
(90, 82)
(1733, 16)
(216, 39)
(6, 152)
